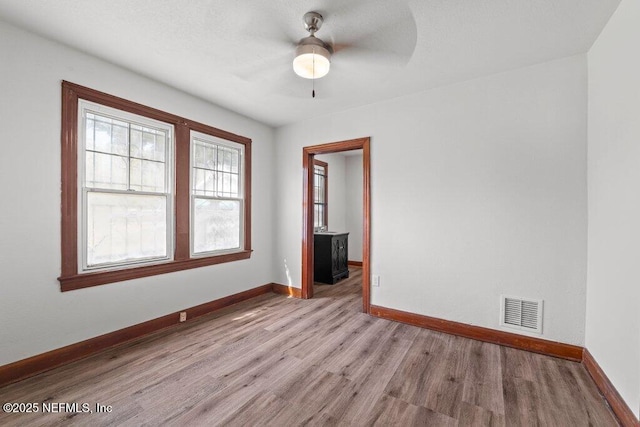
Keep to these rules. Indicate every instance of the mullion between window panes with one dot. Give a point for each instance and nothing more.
(93, 129)
(209, 181)
(216, 168)
(222, 151)
(208, 158)
(113, 148)
(155, 143)
(216, 180)
(129, 153)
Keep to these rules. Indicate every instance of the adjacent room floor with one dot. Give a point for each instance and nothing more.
(282, 361)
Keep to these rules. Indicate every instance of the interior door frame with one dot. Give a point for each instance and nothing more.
(308, 154)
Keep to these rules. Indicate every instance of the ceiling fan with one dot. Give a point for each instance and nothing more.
(362, 41)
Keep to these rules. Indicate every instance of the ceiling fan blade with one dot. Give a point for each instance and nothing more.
(261, 70)
(367, 57)
(391, 45)
(264, 24)
(364, 13)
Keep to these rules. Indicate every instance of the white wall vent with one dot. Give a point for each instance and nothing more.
(522, 314)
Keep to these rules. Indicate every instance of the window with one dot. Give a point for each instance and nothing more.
(125, 193)
(320, 195)
(216, 194)
(145, 192)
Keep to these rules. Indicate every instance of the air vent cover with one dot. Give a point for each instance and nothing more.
(522, 314)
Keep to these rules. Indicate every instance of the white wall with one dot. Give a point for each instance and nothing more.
(478, 189)
(336, 191)
(353, 207)
(613, 281)
(35, 315)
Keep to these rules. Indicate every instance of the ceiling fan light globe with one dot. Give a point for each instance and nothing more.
(312, 61)
(311, 66)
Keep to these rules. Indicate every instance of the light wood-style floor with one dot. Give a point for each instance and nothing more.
(280, 361)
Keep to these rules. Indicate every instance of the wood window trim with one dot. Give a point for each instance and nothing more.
(70, 279)
(324, 165)
(308, 154)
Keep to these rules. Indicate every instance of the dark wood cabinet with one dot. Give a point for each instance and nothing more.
(331, 255)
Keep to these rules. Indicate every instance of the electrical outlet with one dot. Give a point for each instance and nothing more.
(375, 280)
(183, 316)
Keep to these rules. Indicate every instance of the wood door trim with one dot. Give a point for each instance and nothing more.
(522, 342)
(308, 154)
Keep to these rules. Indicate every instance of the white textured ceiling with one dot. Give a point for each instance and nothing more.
(238, 53)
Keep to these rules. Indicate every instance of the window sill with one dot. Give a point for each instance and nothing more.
(86, 280)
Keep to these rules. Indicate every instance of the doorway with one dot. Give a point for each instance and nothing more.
(308, 154)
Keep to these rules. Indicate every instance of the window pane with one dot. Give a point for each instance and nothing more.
(147, 176)
(316, 187)
(124, 156)
(227, 160)
(102, 136)
(216, 170)
(198, 181)
(319, 195)
(148, 143)
(209, 182)
(211, 156)
(226, 184)
(219, 165)
(235, 190)
(321, 215)
(216, 225)
(136, 141)
(120, 139)
(125, 227)
(105, 171)
(89, 127)
(161, 140)
(199, 156)
(235, 160)
(321, 184)
(107, 135)
(219, 183)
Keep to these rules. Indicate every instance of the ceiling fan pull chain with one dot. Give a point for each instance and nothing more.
(313, 72)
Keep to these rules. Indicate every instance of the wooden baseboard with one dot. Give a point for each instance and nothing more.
(355, 263)
(43, 362)
(277, 288)
(537, 345)
(619, 407)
